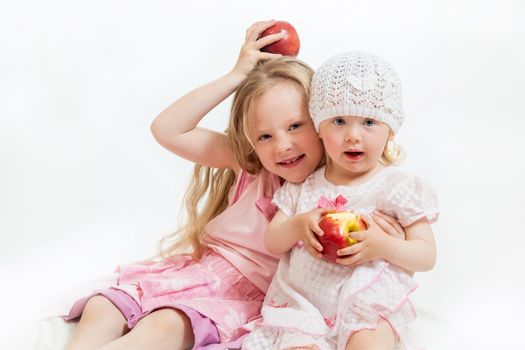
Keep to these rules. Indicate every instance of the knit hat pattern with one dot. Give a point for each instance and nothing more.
(356, 84)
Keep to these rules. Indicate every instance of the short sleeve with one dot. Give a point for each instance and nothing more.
(410, 200)
(286, 198)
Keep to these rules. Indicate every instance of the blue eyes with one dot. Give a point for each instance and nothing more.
(366, 122)
(292, 127)
(295, 126)
(369, 122)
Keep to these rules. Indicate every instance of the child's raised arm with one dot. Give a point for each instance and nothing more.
(176, 127)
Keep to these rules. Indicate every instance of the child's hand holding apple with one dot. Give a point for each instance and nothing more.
(337, 227)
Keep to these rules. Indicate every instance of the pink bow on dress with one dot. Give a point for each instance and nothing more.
(338, 203)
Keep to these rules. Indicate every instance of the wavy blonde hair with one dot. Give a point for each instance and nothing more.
(393, 154)
(207, 193)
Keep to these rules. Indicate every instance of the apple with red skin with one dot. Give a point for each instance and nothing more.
(287, 46)
(337, 227)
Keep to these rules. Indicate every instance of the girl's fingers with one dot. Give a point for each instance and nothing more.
(369, 221)
(316, 229)
(351, 260)
(251, 29)
(317, 246)
(385, 217)
(353, 249)
(384, 225)
(359, 235)
(388, 224)
(253, 32)
(314, 252)
(315, 243)
(268, 56)
(322, 211)
(267, 40)
(345, 251)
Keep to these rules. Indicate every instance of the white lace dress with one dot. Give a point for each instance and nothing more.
(314, 302)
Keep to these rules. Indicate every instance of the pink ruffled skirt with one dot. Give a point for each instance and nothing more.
(212, 287)
(312, 302)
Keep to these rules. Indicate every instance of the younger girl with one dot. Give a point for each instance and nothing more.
(360, 302)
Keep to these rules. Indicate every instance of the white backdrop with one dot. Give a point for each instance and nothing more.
(84, 186)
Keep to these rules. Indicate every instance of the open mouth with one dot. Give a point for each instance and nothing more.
(354, 155)
(292, 161)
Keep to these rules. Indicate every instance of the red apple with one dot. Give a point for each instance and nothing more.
(337, 227)
(289, 45)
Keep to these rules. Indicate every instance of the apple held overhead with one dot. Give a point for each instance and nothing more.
(289, 45)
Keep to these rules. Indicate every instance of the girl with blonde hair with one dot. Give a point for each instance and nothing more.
(211, 276)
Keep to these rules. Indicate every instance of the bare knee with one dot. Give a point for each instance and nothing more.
(382, 338)
(98, 303)
(167, 319)
(169, 324)
(101, 310)
(101, 323)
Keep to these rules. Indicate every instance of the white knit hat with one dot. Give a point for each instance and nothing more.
(356, 84)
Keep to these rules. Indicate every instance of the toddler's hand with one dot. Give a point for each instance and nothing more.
(310, 228)
(250, 53)
(370, 246)
(389, 225)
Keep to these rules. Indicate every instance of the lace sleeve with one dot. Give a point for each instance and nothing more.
(410, 200)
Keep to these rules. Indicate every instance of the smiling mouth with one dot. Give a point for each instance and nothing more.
(292, 161)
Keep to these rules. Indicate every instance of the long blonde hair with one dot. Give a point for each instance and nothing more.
(215, 184)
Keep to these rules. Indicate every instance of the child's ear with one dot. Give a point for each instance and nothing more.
(391, 135)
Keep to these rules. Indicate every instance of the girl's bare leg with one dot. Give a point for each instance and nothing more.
(382, 338)
(101, 323)
(168, 329)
